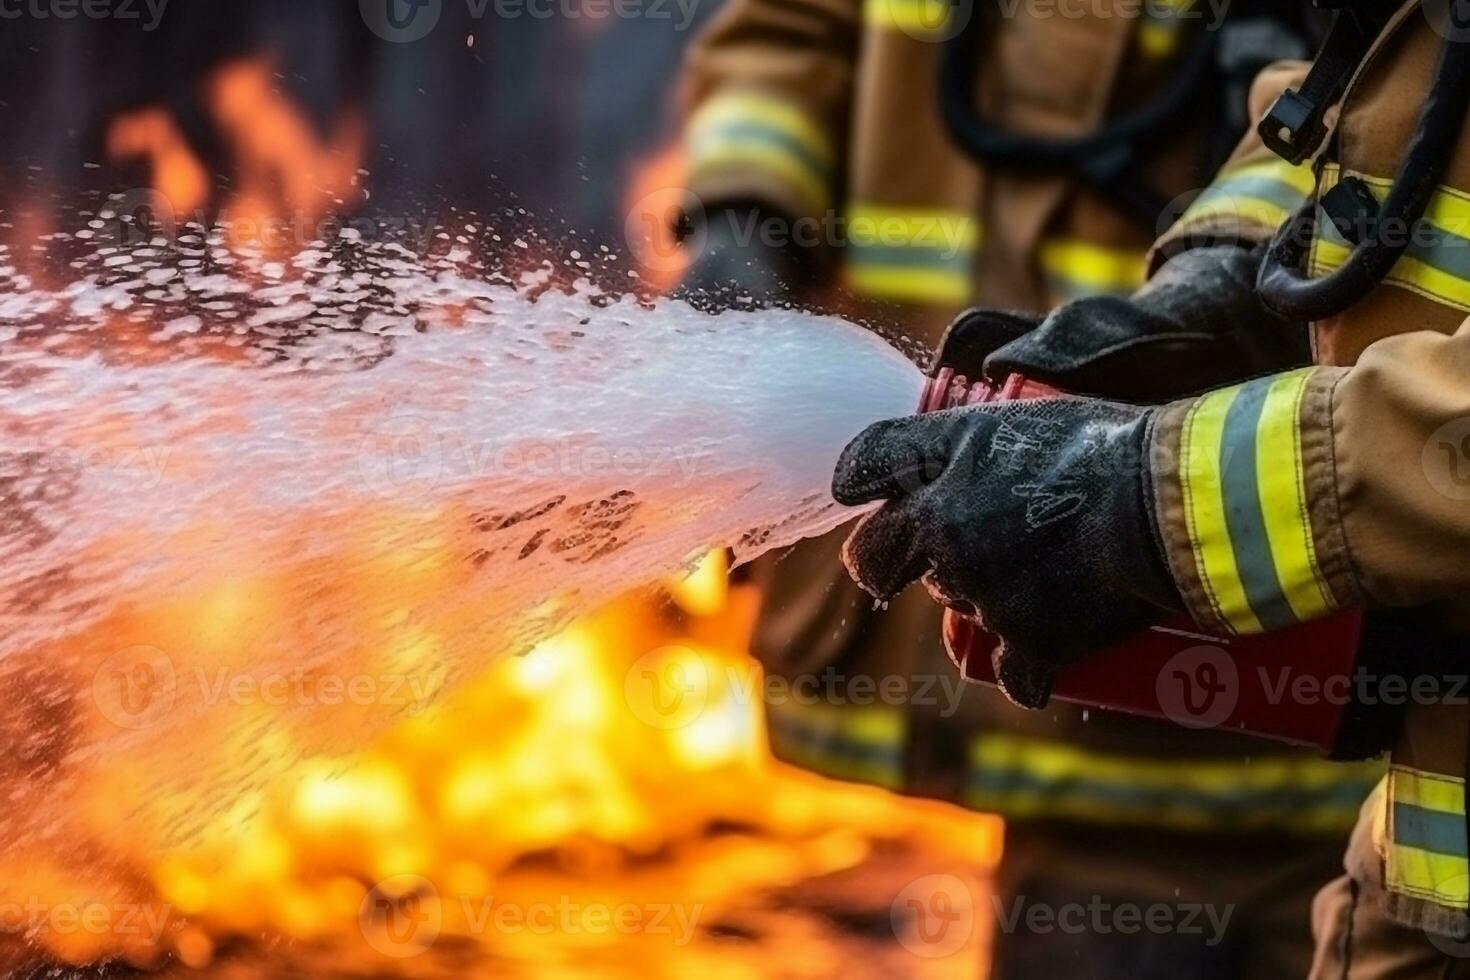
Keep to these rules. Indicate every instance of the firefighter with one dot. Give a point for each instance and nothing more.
(833, 112)
(1279, 500)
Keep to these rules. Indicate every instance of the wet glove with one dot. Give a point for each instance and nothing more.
(1032, 517)
(1196, 325)
(734, 267)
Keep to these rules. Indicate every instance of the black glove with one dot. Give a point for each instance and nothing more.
(1196, 325)
(734, 267)
(1031, 517)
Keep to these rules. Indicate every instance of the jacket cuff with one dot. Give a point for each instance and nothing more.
(750, 145)
(1246, 499)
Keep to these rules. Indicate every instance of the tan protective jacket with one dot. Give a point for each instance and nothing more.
(828, 110)
(1362, 485)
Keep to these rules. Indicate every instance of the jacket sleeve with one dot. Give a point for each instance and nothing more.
(1293, 495)
(1254, 192)
(768, 93)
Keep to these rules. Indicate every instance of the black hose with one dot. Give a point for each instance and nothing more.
(985, 141)
(1282, 283)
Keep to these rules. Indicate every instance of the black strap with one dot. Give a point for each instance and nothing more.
(1105, 158)
(1295, 125)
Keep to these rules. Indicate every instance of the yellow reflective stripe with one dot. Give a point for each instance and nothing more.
(751, 130)
(1265, 192)
(1159, 30)
(910, 285)
(917, 18)
(1284, 498)
(1204, 510)
(1019, 777)
(1430, 790)
(728, 156)
(1438, 878)
(912, 255)
(1078, 268)
(1436, 264)
(1243, 484)
(768, 111)
(950, 231)
(864, 744)
(1426, 836)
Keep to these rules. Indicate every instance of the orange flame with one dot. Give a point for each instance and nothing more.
(283, 168)
(287, 178)
(176, 173)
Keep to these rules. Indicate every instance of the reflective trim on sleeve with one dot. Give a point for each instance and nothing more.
(753, 130)
(858, 744)
(911, 255)
(1243, 485)
(920, 19)
(1426, 856)
(1264, 193)
(1436, 264)
(1074, 268)
(1022, 777)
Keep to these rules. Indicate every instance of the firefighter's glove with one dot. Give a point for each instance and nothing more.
(1032, 518)
(1196, 325)
(734, 267)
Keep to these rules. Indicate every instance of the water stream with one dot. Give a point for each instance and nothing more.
(252, 509)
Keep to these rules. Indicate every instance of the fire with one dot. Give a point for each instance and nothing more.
(592, 773)
(282, 167)
(655, 198)
(152, 134)
(286, 177)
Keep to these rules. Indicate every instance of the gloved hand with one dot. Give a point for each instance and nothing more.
(1196, 325)
(735, 267)
(1032, 517)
